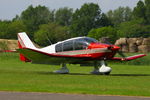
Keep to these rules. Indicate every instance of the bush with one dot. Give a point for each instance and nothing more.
(104, 32)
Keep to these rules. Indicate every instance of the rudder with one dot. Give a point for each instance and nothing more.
(24, 42)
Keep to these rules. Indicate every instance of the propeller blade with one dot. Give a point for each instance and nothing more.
(106, 40)
(121, 54)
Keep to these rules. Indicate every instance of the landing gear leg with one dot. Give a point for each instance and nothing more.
(63, 70)
(105, 70)
(96, 68)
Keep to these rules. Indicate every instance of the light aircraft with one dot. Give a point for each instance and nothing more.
(79, 50)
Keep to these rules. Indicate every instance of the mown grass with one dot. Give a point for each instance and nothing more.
(129, 80)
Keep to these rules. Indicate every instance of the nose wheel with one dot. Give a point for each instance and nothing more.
(103, 70)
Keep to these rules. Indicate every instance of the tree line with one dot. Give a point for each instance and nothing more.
(45, 26)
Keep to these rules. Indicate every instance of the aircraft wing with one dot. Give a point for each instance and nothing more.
(128, 58)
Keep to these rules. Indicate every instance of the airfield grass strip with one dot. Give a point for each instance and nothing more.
(131, 80)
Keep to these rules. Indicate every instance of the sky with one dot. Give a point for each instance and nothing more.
(10, 8)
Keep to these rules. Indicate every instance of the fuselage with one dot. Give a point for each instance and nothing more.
(80, 50)
(82, 47)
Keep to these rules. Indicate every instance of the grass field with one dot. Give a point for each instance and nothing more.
(131, 80)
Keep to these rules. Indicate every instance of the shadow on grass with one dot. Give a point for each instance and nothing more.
(129, 75)
(52, 73)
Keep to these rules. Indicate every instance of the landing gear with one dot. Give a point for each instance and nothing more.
(63, 70)
(104, 70)
(96, 68)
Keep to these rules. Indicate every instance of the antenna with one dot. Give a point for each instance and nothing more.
(48, 39)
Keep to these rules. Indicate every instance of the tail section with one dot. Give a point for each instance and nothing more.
(24, 42)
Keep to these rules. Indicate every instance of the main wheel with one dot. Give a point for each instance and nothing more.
(107, 73)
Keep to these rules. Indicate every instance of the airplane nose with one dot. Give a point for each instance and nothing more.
(114, 47)
(101, 45)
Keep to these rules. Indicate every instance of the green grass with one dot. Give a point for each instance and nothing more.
(131, 80)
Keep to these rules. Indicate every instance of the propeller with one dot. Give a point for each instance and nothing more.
(121, 54)
(106, 40)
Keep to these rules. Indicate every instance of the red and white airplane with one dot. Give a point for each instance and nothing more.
(79, 50)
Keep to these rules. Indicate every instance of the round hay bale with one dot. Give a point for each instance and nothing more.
(117, 42)
(133, 48)
(132, 40)
(146, 41)
(123, 41)
(144, 48)
(139, 41)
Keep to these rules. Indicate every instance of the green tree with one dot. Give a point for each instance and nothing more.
(119, 15)
(134, 28)
(33, 17)
(9, 30)
(63, 16)
(140, 10)
(104, 21)
(50, 33)
(147, 5)
(4, 25)
(16, 27)
(17, 17)
(85, 18)
(104, 32)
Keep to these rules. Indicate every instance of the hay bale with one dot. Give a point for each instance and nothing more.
(3, 45)
(3, 40)
(132, 40)
(139, 41)
(12, 44)
(9, 44)
(146, 41)
(124, 48)
(121, 41)
(144, 48)
(133, 48)
(117, 42)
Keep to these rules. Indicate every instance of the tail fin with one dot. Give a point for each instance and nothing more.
(24, 42)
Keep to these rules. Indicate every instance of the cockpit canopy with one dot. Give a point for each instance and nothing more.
(74, 44)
